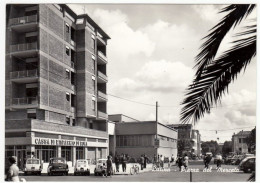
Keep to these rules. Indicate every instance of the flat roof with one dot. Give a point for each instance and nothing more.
(89, 19)
(123, 115)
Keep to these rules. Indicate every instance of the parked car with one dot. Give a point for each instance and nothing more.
(247, 165)
(58, 165)
(81, 167)
(33, 166)
(101, 167)
(236, 159)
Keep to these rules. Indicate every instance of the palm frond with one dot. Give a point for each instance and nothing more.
(215, 78)
(210, 47)
(252, 177)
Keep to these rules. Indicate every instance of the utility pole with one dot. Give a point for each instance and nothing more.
(156, 124)
(156, 112)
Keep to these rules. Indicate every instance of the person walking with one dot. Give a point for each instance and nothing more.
(109, 167)
(124, 161)
(13, 172)
(172, 160)
(117, 161)
(142, 162)
(219, 161)
(145, 160)
(179, 162)
(207, 161)
(162, 161)
(186, 161)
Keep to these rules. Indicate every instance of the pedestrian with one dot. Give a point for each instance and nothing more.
(145, 160)
(13, 172)
(162, 161)
(154, 159)
(109, 167)
(117, 161)
(219, 161)
(124, 161)
(172, 160)
(207, 161)
(179, 161)
(186, 161)
(142, 162)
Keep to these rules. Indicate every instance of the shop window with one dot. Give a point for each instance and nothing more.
(66, 152)
(67, 51)
(79, 153)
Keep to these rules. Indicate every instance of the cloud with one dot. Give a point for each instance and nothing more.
(125, 41)
(207, 12)
(157, 76)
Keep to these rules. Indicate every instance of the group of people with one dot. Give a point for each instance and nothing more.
(143, 161)
(182, 161)
(123, 159)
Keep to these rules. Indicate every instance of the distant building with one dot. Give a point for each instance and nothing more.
(186, 131)
(239, 144)
(142, 137)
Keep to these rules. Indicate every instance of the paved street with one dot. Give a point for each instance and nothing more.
(173, 176)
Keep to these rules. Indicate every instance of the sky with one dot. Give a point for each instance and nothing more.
(151, 58)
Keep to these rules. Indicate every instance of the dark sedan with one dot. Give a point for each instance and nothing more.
(58, 165)
(247, 165)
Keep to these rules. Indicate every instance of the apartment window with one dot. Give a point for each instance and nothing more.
(68, 97)
(93, 84)
(91, 126)
(73, 100)
(73, 122)
(67, 50)
(93, 64)
(72, 33)
(72, 79)
(67, 74)
(68, 120)
(67, 28)
(93, 42)
(31, 115)
(93, 105)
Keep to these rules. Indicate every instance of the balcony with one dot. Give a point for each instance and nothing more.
(102, 59)
(102, 115)
(24, 49)
(102, 97)
(25, 102)
(100, 40)
(24, 24)
(102, 78)
(26, 76)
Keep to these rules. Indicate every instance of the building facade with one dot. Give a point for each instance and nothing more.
(239, 145)
(55, 99)
(186, 132)
(135, 138)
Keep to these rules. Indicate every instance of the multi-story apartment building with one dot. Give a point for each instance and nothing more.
(239, 144)
(56, 103)
(186, 132)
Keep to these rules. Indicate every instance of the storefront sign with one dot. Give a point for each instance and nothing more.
(57, 142)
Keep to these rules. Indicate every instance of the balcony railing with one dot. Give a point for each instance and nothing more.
(23, 47)
(23, 74)
(102, 56)
(25, 101)
(101, 75)
(102, 115)
(102, 95)
(23, 20)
